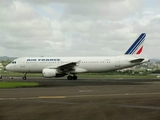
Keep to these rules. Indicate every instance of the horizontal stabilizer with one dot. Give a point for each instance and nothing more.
(138, 60)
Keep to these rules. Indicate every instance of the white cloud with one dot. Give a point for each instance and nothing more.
(110, 10)
(77, 28)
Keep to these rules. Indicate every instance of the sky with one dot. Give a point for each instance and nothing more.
(36, 28)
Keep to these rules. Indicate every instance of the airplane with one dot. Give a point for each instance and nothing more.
(61, 66)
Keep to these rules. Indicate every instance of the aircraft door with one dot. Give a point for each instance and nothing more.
(22, 63)
(117, 62)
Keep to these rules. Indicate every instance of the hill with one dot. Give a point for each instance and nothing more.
(6, 58)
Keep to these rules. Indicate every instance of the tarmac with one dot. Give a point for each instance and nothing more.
(82, 99)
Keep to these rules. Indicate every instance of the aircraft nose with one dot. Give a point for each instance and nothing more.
(8, 67)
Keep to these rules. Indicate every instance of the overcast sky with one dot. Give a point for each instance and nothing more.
(78, 27)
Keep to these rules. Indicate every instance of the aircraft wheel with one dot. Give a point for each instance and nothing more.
(24, 78)
(74, 77)
(69, 77)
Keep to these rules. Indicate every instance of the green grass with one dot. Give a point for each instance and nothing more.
(114, 76)
(83, 75)
(17, 84)
(15, 74)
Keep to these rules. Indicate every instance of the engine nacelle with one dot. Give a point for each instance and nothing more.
(49, 73)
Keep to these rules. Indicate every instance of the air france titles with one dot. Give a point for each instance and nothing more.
(41, 60)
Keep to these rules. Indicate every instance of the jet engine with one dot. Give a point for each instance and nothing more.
(49, 73)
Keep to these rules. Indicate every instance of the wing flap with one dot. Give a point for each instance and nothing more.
(68, 65)
(65, 67)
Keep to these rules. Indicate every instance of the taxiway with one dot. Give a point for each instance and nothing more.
(96, 99)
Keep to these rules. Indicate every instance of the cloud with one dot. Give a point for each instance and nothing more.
(77, 28)
(110, 10)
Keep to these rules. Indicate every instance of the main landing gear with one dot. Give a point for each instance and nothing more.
(24, 77)
(74, 77)
(0, 76)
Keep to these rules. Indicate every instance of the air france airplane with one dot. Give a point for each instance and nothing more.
(61, 66)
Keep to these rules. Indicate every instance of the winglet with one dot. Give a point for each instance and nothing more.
(137, 46)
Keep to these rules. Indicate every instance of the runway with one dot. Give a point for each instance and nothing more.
(82, 99)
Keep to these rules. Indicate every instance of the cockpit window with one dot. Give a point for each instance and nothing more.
(13, 62)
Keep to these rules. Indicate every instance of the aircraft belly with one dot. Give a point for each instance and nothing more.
(97, 67)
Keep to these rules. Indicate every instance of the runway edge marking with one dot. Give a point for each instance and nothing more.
(51, 97)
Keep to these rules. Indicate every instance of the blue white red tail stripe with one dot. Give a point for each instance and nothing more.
(139, 51)
(137, 45)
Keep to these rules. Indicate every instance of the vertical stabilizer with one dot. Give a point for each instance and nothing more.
(137, 46)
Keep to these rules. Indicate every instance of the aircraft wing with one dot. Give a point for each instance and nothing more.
(68, 66)
(65, 67)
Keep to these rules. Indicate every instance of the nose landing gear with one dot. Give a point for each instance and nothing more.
(24, 77)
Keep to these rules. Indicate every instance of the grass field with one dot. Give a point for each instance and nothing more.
(83, 75)
(114, 76)
(17, 84)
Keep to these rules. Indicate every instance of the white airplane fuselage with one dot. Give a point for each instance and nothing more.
(61, 66)
(85, 64)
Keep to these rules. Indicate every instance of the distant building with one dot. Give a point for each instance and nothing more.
(1, 66)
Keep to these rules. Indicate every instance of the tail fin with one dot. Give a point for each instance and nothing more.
(137, 46)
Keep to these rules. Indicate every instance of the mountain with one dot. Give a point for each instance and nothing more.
(154, 60)
(6, 58)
